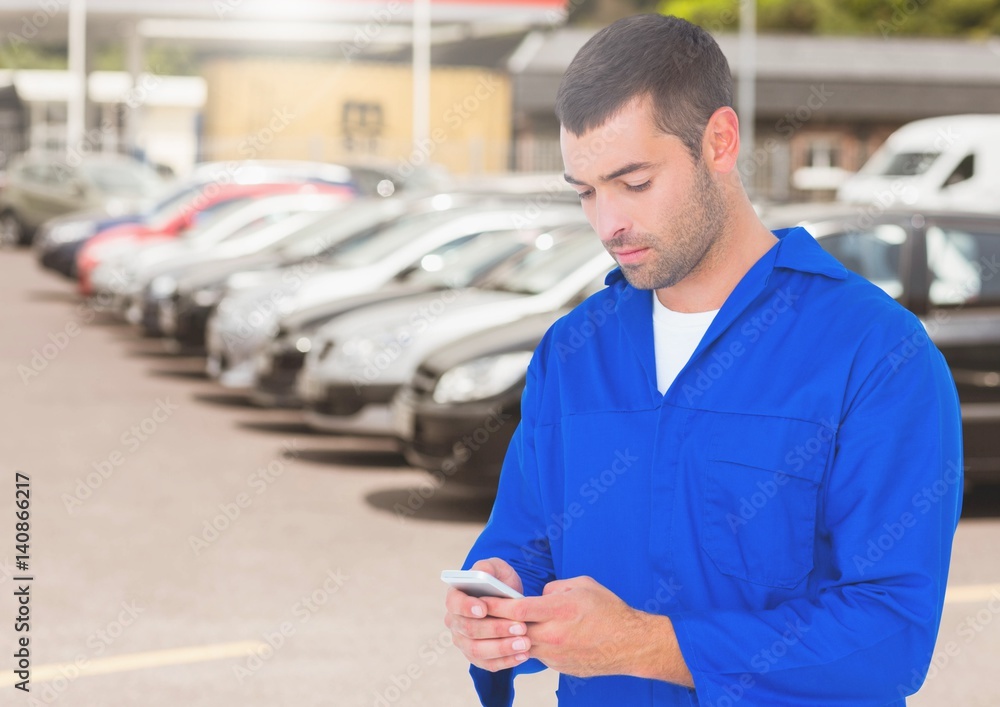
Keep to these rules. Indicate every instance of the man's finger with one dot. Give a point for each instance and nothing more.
(459, 603)
(529, 609)
(503, 663)
(486, 628)
(482, 651)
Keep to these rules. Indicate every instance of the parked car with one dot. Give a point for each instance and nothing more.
(43, 186)
(184, 217)
(943, 266)
(361, 359)
(200, 288)
(470, 264)
(55, 240)
(948, 162)
(59, 241)
(241, 228)
(247, 317)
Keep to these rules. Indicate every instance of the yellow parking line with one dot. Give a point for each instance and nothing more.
(136, 661)
(971, 593)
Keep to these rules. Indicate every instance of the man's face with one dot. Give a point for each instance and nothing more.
(657, 211)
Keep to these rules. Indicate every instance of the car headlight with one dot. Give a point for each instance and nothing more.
(208, 296)
(481, 378)
(117, 207)
(380, 349)
(162, 287)
(70, 232)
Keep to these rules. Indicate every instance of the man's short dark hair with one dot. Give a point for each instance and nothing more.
(677, 64)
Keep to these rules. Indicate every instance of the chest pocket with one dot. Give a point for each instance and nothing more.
(760, 489)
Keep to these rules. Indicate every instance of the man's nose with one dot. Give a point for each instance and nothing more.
(610, 220)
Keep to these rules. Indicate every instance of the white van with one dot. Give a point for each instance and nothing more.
(952, 162)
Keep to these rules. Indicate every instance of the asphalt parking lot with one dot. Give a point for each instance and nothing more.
(187, 548)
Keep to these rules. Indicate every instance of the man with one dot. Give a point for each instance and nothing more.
(741, 487)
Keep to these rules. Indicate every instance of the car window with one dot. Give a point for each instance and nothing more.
(873, 253)
(193, 203)
(60, 174)
(909, 164)
(34, 173)
(125, 179)
(962, 172)
(263, 222)
(553, 258)
(332, 229)
(459, 264)
(963, 267)
(365, 249)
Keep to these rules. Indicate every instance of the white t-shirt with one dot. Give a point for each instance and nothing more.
(675, 336)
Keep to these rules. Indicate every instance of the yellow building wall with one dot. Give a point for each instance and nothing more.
(343, 112)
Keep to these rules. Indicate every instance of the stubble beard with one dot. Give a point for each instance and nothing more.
(692, 235)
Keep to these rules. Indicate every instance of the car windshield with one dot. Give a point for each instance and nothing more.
(903, 164)
(208, 218)
(124, 179)
(172, 202)
(194, 202)
(374, 246)
(555, 256)
(330, 230)
(462, 264)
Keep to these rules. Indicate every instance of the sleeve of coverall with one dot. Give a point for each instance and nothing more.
(866, 636)
(515, 533)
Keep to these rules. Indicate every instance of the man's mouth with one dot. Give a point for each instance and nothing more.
(628, 255)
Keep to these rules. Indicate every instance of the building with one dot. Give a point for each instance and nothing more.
(337, 111)
(824, 104)
(165, 112)
(313, 36)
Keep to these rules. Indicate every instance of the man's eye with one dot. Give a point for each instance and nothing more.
(584, 195)
(639, 187)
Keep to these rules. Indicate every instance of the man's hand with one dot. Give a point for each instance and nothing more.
(579, 627)
(487, 642)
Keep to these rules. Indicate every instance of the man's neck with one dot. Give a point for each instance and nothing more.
(743, 242)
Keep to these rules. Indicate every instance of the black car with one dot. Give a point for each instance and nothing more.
(943, 267)
(461, 432)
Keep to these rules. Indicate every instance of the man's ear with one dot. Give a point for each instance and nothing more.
(721, 144)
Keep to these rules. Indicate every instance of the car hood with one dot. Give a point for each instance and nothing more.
(385, 343)
(519, 335)
(205, 274)
(313, 315)
(175, 261)
(379, 318)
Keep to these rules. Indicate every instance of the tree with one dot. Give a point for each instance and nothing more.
(971, 18)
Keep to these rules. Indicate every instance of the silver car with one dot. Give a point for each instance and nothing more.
(245, 320)
(358, 361)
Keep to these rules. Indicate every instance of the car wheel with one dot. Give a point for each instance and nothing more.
(11, 231)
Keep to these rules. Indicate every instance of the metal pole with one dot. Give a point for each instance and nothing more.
(77, 105)
(746, 90)
(134, 62)
(421, 72)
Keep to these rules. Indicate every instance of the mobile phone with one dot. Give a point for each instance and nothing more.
(477, 583)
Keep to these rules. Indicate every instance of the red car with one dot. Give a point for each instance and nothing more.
(182, 216)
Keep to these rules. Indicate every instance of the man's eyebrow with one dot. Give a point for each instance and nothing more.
(627, 169)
